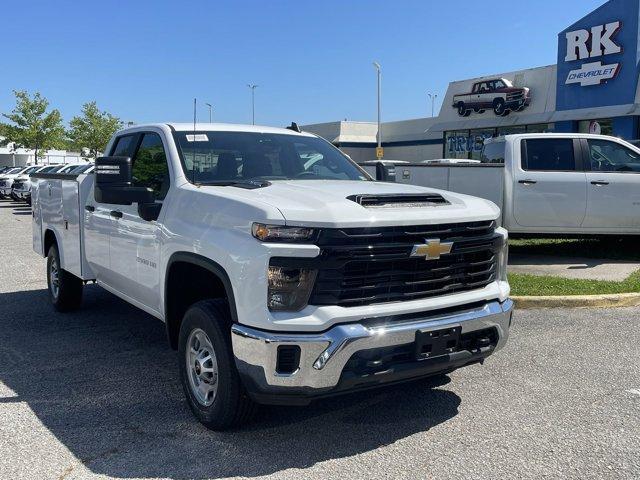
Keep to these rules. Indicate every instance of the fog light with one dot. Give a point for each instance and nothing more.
(289, 288)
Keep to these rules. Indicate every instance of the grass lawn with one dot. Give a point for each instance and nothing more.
(522, 284)
(614, 249)
(627, 248)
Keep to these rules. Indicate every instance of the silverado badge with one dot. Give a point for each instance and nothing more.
(432, 249)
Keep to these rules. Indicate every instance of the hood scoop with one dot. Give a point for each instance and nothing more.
(401, 200)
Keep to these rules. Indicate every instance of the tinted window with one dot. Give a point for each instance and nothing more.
(493, 152)
(211, 157)
(608, 156)
(549, 154)
(150, 166)
(124, 146)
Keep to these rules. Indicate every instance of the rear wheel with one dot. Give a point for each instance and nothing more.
(208, 373)
(65, 289)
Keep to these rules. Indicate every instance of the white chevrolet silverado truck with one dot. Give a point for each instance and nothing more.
(559, 184)
(282, 271)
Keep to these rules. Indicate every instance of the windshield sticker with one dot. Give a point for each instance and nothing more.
(200, 137)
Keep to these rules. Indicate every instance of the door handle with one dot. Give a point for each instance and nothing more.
(527, 182)
(116, 213)
(599, 183)
(89, 208)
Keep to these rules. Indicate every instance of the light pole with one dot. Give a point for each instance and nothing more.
(378, 69)
(253, 102)
(433, 99)
(210, 108)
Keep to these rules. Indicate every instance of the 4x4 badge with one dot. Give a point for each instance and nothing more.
(432, 249)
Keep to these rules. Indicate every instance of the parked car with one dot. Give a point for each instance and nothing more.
(277, 283)
(498, 94)
(559, 184)
(6, 180)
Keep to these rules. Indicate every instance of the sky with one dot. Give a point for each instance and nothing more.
(145, 61)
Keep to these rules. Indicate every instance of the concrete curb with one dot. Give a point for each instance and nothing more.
(579, 301)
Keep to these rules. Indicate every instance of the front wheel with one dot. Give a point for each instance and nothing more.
(208, 373)
(65, 289)
(499, 107)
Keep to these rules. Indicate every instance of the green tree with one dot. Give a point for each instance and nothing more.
(31, 126)
(93, 129)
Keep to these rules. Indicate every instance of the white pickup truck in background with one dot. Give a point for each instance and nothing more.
(283, 273)
(557, 184)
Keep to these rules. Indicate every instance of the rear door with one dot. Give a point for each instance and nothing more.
(549, 187)
(613, 185)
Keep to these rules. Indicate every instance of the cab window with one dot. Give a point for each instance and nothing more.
(150, 166)
(606, 156)
(549, 154)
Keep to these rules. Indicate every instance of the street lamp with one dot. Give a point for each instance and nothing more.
(253, 102)
(210, 108)
(379, 135)
(433, 99)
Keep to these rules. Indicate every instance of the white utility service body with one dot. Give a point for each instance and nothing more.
(220, 223)
(596, 196)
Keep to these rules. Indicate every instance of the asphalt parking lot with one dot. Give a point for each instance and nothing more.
(96, 393)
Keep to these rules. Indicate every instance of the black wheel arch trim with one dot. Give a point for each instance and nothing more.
(207, 264)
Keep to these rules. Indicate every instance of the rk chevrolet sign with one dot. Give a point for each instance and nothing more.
(592, 73)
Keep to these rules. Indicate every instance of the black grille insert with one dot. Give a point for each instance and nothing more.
(361, 266)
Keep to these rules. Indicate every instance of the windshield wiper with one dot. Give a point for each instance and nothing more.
(248, 184)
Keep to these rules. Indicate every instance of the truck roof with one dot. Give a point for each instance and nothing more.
(218, 127)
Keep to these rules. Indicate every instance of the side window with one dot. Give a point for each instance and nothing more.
(150, 166)
(549, 154)
(123, 146)
(606, 156)
(493, 152)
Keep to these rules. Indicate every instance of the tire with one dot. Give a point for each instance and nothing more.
(65, 289)
(223, 402)
(463, 111)
(499, 107)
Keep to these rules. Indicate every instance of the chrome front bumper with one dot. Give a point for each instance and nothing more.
(323, 356)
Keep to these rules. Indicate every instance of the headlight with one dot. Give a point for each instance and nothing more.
(278, 233)
(503, 258)
(289, 288)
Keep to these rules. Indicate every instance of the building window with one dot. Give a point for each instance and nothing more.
(512, 130)
(541, 128)
(476, 141)
(456, 144)
(603, 126)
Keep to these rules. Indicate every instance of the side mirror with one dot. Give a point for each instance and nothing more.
(114, 183)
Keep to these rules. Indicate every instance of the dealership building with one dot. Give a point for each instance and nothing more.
(593, 88)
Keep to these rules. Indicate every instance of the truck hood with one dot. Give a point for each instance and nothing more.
(321, 203)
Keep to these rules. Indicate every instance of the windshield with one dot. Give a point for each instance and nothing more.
(31, 169)
(13, 170)
(228, 157)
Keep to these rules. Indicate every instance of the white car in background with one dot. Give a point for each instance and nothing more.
(7, 178)
(22, 185)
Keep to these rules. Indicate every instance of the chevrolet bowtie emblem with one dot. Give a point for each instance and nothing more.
(432, 249)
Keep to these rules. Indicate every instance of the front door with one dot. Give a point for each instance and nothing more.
(613, 185)
(549, 187)
(98, 221)
(135, 242)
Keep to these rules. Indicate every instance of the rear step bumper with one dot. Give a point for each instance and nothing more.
(291, 368)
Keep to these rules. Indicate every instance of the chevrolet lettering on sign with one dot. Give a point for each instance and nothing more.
(592, 73)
